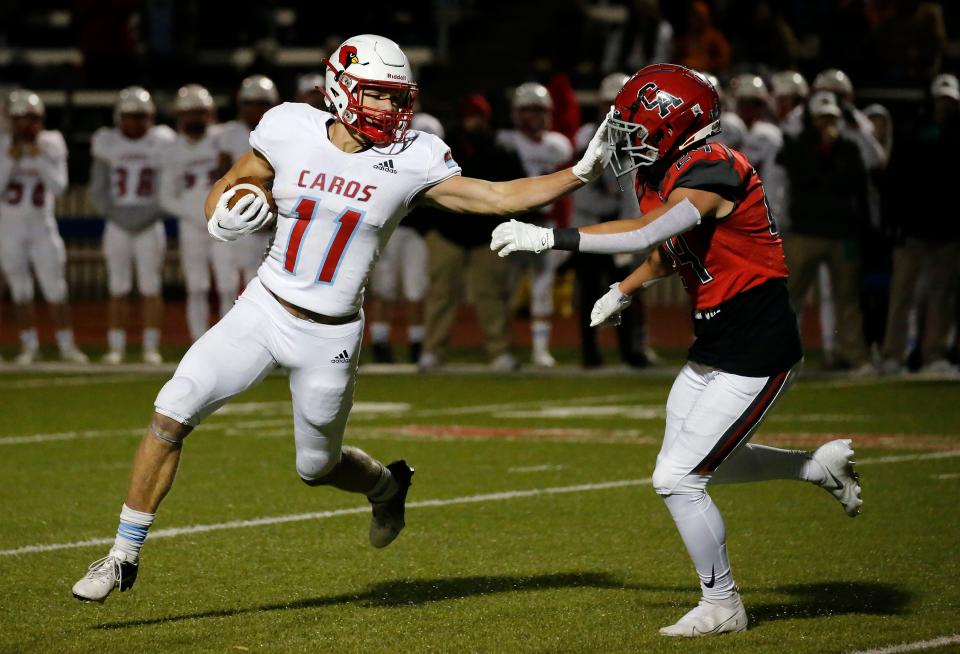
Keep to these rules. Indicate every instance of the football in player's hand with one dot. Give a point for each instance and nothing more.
(247, 185)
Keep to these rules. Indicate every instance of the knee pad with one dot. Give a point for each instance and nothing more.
(314, 465)
(180, 399)
(21, 288)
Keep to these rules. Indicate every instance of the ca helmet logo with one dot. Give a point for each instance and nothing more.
(661, 100)
(348, 55)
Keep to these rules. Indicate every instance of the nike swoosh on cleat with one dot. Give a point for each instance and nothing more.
(835, 480)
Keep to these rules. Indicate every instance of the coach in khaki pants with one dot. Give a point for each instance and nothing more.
(828, 204)
(459, 250)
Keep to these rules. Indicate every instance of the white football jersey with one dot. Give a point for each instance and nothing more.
(551, 153)
(234, 139)
(188, 170)
(336, 209)
(33, 182)
(134, 163)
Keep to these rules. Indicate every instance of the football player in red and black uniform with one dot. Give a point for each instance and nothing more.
(705, 216)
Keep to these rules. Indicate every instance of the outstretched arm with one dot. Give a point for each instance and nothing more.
(682, 211)
(469, 195)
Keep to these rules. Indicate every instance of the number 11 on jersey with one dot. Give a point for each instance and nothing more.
(348, 221)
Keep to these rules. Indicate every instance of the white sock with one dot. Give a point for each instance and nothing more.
(117, 340)
(29, 340)
(226, 302)
(151, 339)
(380, 332)
(198, 315)
(415, 333)
(385, 488)
(132, 532)
(65, 340)
(703, 532)
(762, 463)
(540, 329)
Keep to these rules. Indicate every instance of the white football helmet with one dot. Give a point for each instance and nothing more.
(192, 97)
(24, 103)
(835, 81)
(531, 94)
(611, 85)
(309, 83)
(749, 87)
(133, 100)
(789, 83)
(943, 86)
(258, 88)
(371, 62)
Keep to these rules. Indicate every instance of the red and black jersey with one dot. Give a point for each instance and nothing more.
(719, 258)
(732, 267)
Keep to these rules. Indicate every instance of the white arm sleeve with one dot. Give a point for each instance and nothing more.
(676, 220)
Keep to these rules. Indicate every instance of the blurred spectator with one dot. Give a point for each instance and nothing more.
(763, 139)
(907, 41)
(702, 46)
(732, 128)
(790, 90)
(461, 262)
(928, 243)
(309, 90)
(644, 38)
(827, 206)
(599, 202)
(402, 269)
(542, 151)
(764, 38)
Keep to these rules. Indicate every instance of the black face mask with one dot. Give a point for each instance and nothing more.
(195, 129)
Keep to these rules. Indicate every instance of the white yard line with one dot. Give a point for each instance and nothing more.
(909, 457)
(943, 641)
(322, 515)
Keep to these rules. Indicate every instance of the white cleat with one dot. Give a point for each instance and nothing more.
(505, 362)
(104, 575)
(113, 358)
(842, 481)
(74, 356)
(26, 358)
(543, 359)
(709, 618)
(152, 357)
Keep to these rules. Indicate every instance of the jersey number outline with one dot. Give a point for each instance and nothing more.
(14, 194)
(145, 180)
(348, 220)
(684, 256)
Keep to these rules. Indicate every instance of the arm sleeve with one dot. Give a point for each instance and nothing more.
(54, 170)
(100, 187)
(676, 220)
(439, 166)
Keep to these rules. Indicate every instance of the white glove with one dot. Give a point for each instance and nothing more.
(516, 236)
(606, 310)
(596, 156)
(249, 214)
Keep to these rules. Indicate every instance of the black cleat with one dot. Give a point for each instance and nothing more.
(387, 521)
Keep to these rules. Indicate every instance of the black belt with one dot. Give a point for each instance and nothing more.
(313, 316)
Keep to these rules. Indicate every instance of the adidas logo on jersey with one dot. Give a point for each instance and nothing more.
(386, 166)
(343, 357)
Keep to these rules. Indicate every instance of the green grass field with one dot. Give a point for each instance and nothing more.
(532, 526)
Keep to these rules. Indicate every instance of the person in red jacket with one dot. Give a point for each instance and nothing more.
(705, 215)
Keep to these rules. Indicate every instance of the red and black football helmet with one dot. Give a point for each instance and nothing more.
(660, 111)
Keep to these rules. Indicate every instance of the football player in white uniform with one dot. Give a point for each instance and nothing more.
(790, 90)
(337, 208)
(123, 188)
(33, 171)
(257, 94)
(191, 164)
(402, 269)
(541, 151)
(310, 90)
